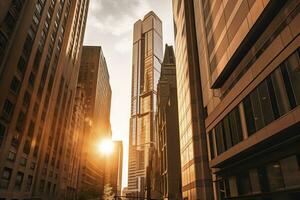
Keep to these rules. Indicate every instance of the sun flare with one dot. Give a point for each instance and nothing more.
(106, 147)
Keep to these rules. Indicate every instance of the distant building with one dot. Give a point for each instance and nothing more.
(249, 64)
(147, 56)
(114, 168)
(168, 129)
(94, 77)
(40, 50)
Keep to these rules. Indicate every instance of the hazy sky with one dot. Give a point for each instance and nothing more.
(110, 24)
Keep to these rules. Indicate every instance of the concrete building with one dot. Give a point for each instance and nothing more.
(249, 67)
(40, 48)
(114, 168)
(168, 128)
(94, 77)
(147, 56)
(196, 176)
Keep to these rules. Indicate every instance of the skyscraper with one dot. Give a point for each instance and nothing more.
(249, 66)
(168, 129)
(94, 78)
(40, 48)
(196, 176)
(147, 56)
(252, 69)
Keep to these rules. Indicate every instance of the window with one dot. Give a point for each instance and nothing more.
(15, 85)
(29, 182)
(22, 65)
(220, 143)
(9, 23)
(20, 121)
(6, 175)
(249, 115)
(2, 133)
(235, 126)
(211, 145)
(292, 66)
(31, 79)
(26, 99)
(275, 176)
(18, 4)
(19, 180)
(11, 156)
(32, 165)
(276, 86)
(266, 105)
(3, 43)
(27, 146)
(8, 108)
(243, 183)
(263, 179)
(23, 161)
(42, 185)
(31, 129)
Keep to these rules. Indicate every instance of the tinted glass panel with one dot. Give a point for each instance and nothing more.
(249, 115)
(257, 111)
(275, 176)
(266, 104)
(280, 92)
(293, 68)
(219, 139)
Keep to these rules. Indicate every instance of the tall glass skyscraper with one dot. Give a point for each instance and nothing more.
(146, 63)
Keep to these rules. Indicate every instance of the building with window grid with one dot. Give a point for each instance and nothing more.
(248, 62)
(40, 49)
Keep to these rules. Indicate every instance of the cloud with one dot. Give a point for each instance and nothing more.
(116, 17)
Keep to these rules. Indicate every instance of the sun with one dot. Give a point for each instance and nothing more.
(106, 147)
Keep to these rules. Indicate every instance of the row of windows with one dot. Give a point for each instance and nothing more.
(6, 177)
(270, 177)
(9, 24)
(272, 98)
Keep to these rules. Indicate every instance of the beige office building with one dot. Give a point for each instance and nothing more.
(40, 48)
(249, 65)
(147, 56)
(94, 78)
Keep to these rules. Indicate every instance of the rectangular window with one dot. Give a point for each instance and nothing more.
(31, 79)
(15, 85)
(8, 108)
(249, 115)
(31, 129)
(220, 143)
(11, 156)
(3, 44)
(2, 133)
(23, 161)
(22, 65)
(211, 145)
(27, 147)
(275, 176)
(263, 179)
(29, 182)
(26, 99)
(257, 110)
(266, 105)
(19, 180)
(243, 183)
(227, 132)
(281, 97)
(293, 69)
(20, 121)
(5, 178)
(42, 185)
(235, 126)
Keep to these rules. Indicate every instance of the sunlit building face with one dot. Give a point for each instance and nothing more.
(147, 56)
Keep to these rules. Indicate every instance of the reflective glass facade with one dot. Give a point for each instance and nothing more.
(147, 56)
